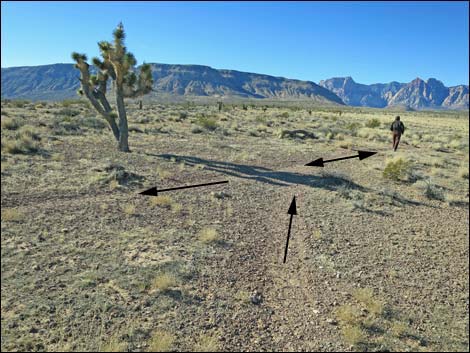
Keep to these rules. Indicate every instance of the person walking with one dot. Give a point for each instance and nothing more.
(397, 129)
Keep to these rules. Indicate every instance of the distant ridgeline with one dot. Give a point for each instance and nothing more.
(185, 82)
(418, 94)
(60, 81)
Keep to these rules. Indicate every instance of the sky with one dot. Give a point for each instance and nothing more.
(371, 41)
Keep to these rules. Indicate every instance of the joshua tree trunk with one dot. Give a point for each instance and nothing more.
(140, 104)
(123, 128)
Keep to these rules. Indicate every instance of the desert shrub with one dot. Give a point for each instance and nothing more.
(209, 235)
(68, 112)
(207, 343)
(93, 123)
(164, 281)
(22, 145)
(397, 168)
(183, 115)
(28, 131)
(66, 103)
(160, 342)
(371, 304)
(11, 215)
(373, 123)
(463, 172)
(348, 315)
(367, 133)
(353, 335)
(19, 103)
(161, 201)
(10, 123)
(284, 115)
(196, 130)
(207, 123)
(431, 190)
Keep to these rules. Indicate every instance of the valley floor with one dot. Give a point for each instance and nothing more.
(374, 263)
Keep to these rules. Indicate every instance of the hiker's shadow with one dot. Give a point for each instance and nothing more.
(326, 181)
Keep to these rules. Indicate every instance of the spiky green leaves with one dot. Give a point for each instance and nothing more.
(145, 78)
(98, 63)
(118, 33)
(77, 57)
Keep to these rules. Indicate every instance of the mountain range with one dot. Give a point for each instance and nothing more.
(60, 81)
(418, 94)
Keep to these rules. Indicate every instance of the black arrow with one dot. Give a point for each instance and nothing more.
(320, 162)
(292, 211)
(154, 192)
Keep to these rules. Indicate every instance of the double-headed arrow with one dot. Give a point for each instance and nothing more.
(154, 192)
(292, 211)
(321, 163)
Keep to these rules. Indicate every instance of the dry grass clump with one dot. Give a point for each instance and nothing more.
(10, 123)
(397, 168)
(164, 281)
(366, 297)
(160, 341)
(348, 315)
(161, 201)
(129, 209)
(463, 172)
(431, 190)
(22, 145)
(353, 335)
(114, 345)
(209, 235)
(206, 343)
(11, 215)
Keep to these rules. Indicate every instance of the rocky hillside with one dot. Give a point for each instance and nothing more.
(58, 81)
(418, 94)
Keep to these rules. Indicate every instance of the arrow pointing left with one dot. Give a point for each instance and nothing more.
(154, 192)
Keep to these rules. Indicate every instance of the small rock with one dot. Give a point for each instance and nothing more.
(332, 322)
(256, 298)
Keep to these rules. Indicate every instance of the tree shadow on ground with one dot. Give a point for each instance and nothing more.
(329, 181)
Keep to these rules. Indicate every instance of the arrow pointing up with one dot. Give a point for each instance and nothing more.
(292, 211)
(321, 163)
(292, 208)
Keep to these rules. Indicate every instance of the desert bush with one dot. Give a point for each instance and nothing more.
(353, 335)
(284, 115)
(68, 112)
(373, 123)
(10, 123)
(161, 201)
(66, 103)
(431, 190)
(183, 115)
(371, 304)
(206, 343)
(23, 145)
(93, 123)
(20, 103)
(209, 235)
(11, 215)
(207, 123)
(164, 281)
(160, 341)
(397, 168)
(463, 172)
(28, 131)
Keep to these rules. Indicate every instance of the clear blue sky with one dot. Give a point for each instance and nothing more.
(372, 42)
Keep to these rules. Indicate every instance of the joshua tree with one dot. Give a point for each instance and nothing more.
(116, 64)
